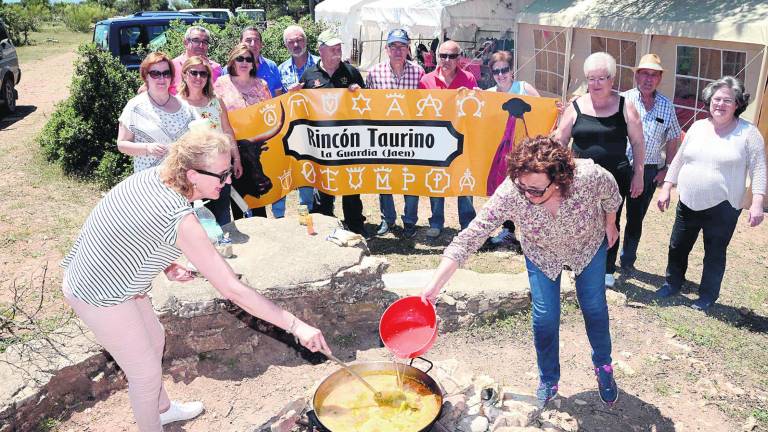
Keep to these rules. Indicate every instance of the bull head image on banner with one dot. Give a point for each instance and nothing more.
(253, 181)
(516, 108)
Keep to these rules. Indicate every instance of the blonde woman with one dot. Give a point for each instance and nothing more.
(196, 89)
(121, 249)
(155, 118)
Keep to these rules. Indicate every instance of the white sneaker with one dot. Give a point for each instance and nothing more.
(609, 280)
(434, 232)
(180, 411)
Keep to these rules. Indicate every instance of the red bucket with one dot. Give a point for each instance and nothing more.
(408, 327)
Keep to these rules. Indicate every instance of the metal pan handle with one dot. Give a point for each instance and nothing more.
(431, 365)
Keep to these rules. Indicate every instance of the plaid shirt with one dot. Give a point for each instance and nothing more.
(659, 125)
(381, 76)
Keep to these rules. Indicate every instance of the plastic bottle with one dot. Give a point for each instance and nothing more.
(208, 221)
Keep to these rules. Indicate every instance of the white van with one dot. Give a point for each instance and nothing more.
(211, 13)
(258, 15)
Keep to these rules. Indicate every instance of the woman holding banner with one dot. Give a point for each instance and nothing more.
(153, 119)
(241, 88)
(121, 249)
(196, 89)
(565, 212)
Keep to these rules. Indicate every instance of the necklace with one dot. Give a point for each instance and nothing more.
(156, 103)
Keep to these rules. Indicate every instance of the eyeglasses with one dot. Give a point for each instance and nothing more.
(722, 101)
(536, 193)
(599, 80)
(156, 74)
(199, 42)
(241, 59)
(221, 176)
(448, 56)
(501, 71)
(197, 73)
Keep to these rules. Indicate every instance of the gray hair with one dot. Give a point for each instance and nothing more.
(600, 60)
(291, 29)
(737, 87)
(189, 31)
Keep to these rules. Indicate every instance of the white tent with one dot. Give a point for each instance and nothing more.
(461, 20)
(343, 15)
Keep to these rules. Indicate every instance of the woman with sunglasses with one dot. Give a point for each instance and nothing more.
(501, 68)
(153, 119)
(197, 90)
(241, 88)
(121, 249)
(564, 211)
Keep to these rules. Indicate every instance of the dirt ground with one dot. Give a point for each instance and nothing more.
(680, 370)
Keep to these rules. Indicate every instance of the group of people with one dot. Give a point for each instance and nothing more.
(562, 195)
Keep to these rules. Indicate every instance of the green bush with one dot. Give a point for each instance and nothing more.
(83, 128)
(224, 39)
(80, 17)
(113, 167)
(22, 20)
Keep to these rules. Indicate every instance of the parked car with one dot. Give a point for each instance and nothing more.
(10, 74)
(122, 35)
(213, 13)
(258, 15)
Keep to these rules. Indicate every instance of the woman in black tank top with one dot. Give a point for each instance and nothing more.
(600, 124)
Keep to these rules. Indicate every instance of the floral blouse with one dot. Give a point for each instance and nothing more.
(571, 238)
(211, 112)
(234, 99)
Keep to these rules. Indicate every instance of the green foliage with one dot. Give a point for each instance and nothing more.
(81, 134)
(180, 4)
(274, 47)
(80, 17)
(113, 167)
(127, 7)
(23, 19)
(224, 39)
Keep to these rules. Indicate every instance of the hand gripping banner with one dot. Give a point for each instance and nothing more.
(414, 142)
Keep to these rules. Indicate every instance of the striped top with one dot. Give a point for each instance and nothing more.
(127, 240)
(709, 169)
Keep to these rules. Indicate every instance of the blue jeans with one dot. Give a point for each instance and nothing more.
(636, 209)
(306, 196)
(389, 213)
(717, 224)
(545, 296)
(278, 208)
(466, 211)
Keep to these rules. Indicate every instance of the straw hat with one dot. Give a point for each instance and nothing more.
(650, 61)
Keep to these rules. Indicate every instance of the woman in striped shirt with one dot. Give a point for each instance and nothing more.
(136, 231)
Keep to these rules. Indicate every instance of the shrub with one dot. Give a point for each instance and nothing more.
(274, 48)
(113, 167)
(83, 128)
(21, 20)
(80, 17)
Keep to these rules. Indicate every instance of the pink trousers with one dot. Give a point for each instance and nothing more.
(134, 337)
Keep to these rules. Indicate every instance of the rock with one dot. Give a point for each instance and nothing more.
(626, 354)
(453, 377)
(732, 389)
(615, 298)
(580, 402)
(624, 367)
(559, 420)
(706, 387)
(454, 407)
(665, 357)
(636, 305)
(749, 425)
(474, 423)
(511, 419)
(680, 346)
(516, 429)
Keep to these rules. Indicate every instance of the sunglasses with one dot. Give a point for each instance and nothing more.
(241, 59)
(198, 74)
(221, 176)
(501, 71)
(448, 56)
(536, 193)
(156, 74)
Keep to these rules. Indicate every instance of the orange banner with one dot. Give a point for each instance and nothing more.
(415, 142)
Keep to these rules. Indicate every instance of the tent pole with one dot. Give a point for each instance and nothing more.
(567, 69)
(761, 113)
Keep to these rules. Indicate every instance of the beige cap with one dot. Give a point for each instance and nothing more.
(650, 61)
